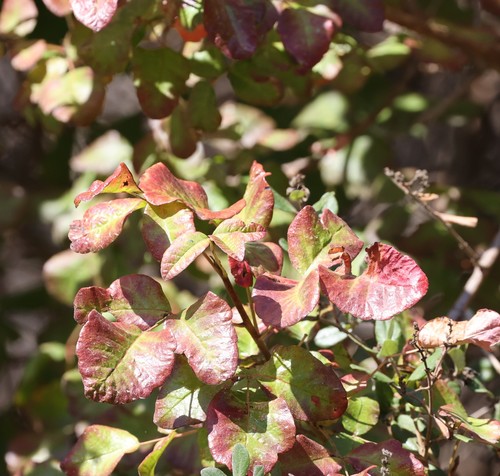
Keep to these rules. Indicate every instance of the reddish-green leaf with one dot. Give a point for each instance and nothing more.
(388, 454)
(182, 252)
(483, 329)
(282, 302)
(312, 238)
(305, 35)
(259, 198)
(361, 415)
(392, 283)
(120, 363)
(98, 451)
(18, 17)
(241, 271)
(264, 428)
(308, 458)
(366, 15)
(163, 224)
(238, 26)
(101, 224)
(204, 333)
(232, 235)
(183, 399)
(160, 186)
(134, 299)
(264, 257)
(148, 464)
(311, 389)
(94, 14)
(121, 181)
(160, 77)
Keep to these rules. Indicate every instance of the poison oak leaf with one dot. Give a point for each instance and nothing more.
(95, 14)
(204, 333)
(101, 224)
(264, 257)
(232, 235)
(266, 429)
(483, 329)
(134, 299)
(120, 181)
(58, 7)
(120, 363)
(441, 331)
(241, 272)
(365, 15)
(391, 283)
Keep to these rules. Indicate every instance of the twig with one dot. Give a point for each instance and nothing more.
(477, 277)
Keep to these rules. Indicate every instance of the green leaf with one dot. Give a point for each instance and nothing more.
(240, 460)
(327, 201)
(202, 107)
(327, 111)
(148, 464)
(389, 347)
(361, 415)
(98, 451)
(329, 336)
(212, 472)
(432, 360)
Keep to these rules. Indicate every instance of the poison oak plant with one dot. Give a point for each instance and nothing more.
(295, 409)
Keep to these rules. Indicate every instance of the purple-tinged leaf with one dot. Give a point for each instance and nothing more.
(259, 198)
(148, 464)
(483, 329)
(182, 252)
(305, 35)
(311, 389)
(163, 224)
(120, 181)
(98, 451)
(134, 299)
(264, 428)
(264, 257)
(365, 15)
(241, 271)
(119, 363)
(183, 400)
(311, 239)
(308, 458)
(232, 235)
(94, 14)
(282, 302)
(237, 26)
(391, 283)
(160, 187)
(60, 8)
(204, 333)
(399, 462)
(160, 77)
(101, 224)
(18, 17)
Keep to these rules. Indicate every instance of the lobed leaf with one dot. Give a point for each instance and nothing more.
(101, 224)
(204, 333)
(182, 252)
(282, 302)
(120, 181)
(311, 389)
(264, 428)
(399, 462)
(391, 283)
(119, 363)
(365, 15)
(134, 299)
(98, 451)
(95, 14)
(308, 458)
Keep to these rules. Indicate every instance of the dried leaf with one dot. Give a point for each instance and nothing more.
(483, 329)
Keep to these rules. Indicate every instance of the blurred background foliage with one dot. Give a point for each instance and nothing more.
(423, 93)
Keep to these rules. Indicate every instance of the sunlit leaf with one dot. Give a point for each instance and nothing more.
(483, 329)
(95, 14)
(133, 299)
(204, 333)
(308, 458)
(361, 415)
(311, 389)
(18, 17)
(98, 451)
(392, 283)
(101, 224)
(264, 257)
(264, 428)
(148, 464)
(232, 235)
(241, 271)
(120, 363)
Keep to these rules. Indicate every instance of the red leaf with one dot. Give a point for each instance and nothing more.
(308, 458)
(205, 334)
(135, 299)
(95, 14)
(483, 329)
(399, 462)
(120, 181)
(392, 283)
(238, 26)
(264, 428)
(241, 272)
(119, 363)
(101, 224)
(305, 35)
(282, 302)
(160, 186)
(366, 15)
